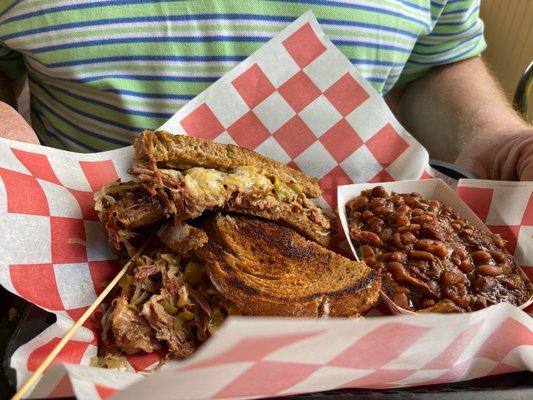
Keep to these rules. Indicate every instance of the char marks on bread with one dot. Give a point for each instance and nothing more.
(266, 269)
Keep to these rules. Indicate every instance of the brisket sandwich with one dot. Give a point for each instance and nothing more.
(205, 259)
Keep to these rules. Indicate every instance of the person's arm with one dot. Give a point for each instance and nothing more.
(460, 114)
(13, 126)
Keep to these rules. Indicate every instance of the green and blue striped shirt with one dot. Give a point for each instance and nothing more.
(100, 71)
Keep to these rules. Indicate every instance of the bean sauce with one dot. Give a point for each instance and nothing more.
(429, 257)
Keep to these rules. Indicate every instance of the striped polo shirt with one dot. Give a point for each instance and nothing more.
(100, 71)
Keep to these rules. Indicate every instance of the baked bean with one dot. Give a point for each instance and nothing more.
(439, 250)
(374, 221)
(458, 222)
(452, 277)
(485, 284)
(377, 228)
(419, 254)
(403, 229)
(417, 212)
(382, 210)
(398, 201)
(478, 303)
(455, 260)
(498, 256)
(434, 207)
(402, 220)
(434, 288)
(489, 270)
(481, 257)
(400, 299)
(414, 227)
(455, 226)
(378, 191)
(367, 214)
(408, 238)
(367, 251)
(460, 299)
(357, 203)
(403, 209)
(368, 238)
(396, 240)
(433, 231)
(429, 257)
(397, 270)
(466, 266)
(427, 303)
(394, 256)
(402, 289)
(424, 244)
(499, 241)
(422, 219)
(375, 203)
(355, 216)
(370, 261)
(459, 252)
(354, 231)
(386, 234)
(379, 266)
(506, 268)
(512, 281)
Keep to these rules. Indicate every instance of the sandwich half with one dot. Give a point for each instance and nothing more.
(266, 269)
(180, 177)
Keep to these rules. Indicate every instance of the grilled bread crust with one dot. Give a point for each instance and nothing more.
(182, 152)
(266, 269)
(287, 217)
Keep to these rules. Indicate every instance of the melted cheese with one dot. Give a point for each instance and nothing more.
(215, 187)
(248, 179)
(206, 184)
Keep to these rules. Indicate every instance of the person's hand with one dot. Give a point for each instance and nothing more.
(14, 127)
(503, 156)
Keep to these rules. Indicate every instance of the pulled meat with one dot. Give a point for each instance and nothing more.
(125, 330)
(180, 341)
(124, 206)
(197, 189)
(182, 238)
(164, 303)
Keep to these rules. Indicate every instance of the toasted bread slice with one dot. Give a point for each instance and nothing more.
(183, 152)
(269, 270)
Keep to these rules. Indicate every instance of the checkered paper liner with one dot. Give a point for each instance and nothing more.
(297, 100)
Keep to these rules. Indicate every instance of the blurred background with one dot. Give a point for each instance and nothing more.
(509, 34)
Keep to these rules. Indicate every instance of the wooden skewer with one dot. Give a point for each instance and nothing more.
(53, 354)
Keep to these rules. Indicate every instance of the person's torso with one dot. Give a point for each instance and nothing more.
(101, 71)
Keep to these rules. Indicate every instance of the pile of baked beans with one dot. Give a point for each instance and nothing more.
(429, 257)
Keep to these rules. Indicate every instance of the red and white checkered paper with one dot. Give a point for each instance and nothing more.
(300, 101)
